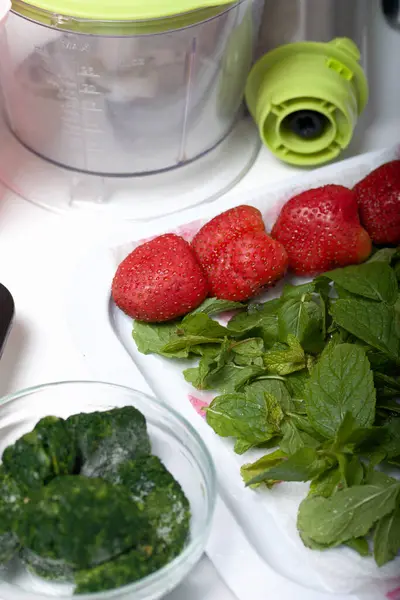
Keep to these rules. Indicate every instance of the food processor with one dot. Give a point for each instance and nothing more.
(135, 110)
(127, 89)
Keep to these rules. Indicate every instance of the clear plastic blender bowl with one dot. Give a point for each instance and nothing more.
(124, 97)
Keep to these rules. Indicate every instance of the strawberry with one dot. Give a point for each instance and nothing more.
(246, 265)
(321, 230)
(237, 254)
(218, 232)
(378, 197)
(160, 280)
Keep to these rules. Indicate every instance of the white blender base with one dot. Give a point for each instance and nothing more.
(136, 198)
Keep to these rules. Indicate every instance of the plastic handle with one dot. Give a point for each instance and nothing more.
(6, 315)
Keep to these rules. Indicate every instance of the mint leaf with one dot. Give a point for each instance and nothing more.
(347, 474)
(361, 437)
(387, 538)
(384, 444)
(259, 320)
(296, 292)
(213, 373)
(342, 293)
(301, 422)
(379, 478)
(328, 483)
(241, 446)
(275, 387)
(372, 322)
(206, 350)
(197, 376)
(382, 380)
(296, 383)
(213, 306)
(232, 377)
(181, 346)
(248, 352)
(201, 325)
(354, 472)
(303, 319)
(210, 365)
(384, 255)
(301, 466)
(251, 470)
(293, 439)
(378, 360)
(309, 543)
(291, 358)
(275, 413)
(341, 383)
(397, 271)
(350, 513)
(374, 280)
(360, 545)
(299, 406)
(345, 430)
(392, 406)
(234, 415)
(150, 338)
(324, 290)
(390, 440)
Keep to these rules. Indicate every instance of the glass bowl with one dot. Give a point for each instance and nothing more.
(176, 443)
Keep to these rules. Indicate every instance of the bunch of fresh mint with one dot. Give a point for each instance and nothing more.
(316, 373)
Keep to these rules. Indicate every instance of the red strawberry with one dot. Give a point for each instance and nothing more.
(321, 230)
(160, 280)
(246, 265)
(218, 232)
(378, 197)
(237, 254)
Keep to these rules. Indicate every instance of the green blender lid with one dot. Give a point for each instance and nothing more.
(118, 10)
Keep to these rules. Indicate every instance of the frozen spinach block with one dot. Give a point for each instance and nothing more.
(83, 501)
(47, 568)
(42, 454)
(160, 497)
(82, 522)
(11, 502)
(111, 436)
(123, 570)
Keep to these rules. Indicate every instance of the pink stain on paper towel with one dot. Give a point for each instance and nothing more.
(189, 230)
(394, 594)
(199, 404)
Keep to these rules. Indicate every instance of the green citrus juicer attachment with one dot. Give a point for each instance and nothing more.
(130, 16)
(306, 98)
